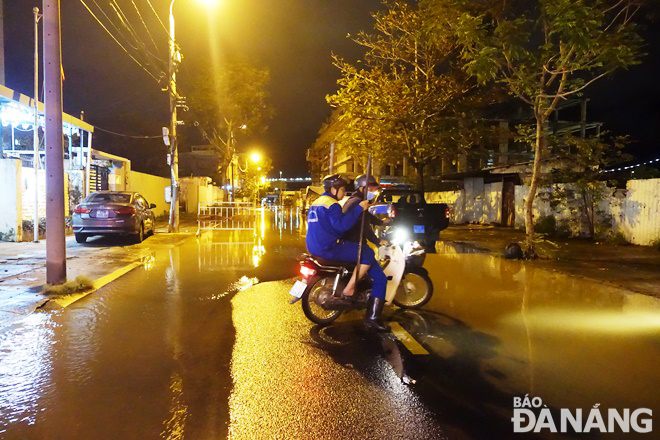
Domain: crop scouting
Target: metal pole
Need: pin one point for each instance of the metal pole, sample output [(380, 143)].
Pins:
[(364, 215), (174, 148), (55, 234), (35, 138), (331, 168)]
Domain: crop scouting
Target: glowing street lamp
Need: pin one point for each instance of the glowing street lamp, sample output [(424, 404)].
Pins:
[(255, 157)]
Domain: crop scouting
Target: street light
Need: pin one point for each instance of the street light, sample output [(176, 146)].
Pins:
[(255, 157)]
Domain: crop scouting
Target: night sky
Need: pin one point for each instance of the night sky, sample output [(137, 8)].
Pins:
[(293, 39)]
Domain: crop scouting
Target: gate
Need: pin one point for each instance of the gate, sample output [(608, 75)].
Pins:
[(232, 216)]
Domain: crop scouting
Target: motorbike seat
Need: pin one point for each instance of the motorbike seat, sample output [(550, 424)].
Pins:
[(324, 263)]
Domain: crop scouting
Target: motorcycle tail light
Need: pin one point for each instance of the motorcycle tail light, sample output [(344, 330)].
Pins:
[(307, 272), (391, 211), (125, 210), (447, 212), (80, 209)]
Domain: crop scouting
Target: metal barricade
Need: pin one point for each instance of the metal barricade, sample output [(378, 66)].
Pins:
[(232, 216)]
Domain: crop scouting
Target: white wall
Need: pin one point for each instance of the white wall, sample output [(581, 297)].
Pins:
[(152, 188), (635, 211), (11, 220)]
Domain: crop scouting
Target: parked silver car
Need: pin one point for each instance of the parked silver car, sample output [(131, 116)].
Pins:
[(113, 213)]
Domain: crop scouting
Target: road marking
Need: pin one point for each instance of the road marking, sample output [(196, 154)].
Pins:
[(406, 339), (106, 279)]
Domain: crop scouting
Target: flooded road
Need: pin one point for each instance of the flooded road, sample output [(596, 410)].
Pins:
[(201, 343)]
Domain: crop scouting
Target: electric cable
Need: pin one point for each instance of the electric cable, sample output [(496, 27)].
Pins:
[(161, 21), (126, 135), (145, 25), (123, 19), (119, 43)]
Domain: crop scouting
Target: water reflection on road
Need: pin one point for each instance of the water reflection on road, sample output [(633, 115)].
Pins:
[(162, 353), (507, 328)]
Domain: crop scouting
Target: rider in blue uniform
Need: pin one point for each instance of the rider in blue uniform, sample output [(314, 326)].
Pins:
[(326, 223)]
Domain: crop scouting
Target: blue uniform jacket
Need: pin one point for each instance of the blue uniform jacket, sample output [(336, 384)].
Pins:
[(326, 223)]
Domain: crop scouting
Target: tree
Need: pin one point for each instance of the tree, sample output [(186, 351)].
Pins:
[(252, 178), (580, 185), (542, 51), (405, 98), (227, 102)]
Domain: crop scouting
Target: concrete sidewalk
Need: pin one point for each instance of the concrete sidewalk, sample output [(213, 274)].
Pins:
[(23, 266), (635, 268)]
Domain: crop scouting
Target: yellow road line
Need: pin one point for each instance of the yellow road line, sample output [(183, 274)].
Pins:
[(106, 279), (406, 339)]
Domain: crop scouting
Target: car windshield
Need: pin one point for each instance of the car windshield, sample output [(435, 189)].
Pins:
[(401, 198), (109, 198)]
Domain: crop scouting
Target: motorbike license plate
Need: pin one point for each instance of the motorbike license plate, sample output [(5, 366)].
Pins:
[(298, 289), (102, 213), (418, 229)]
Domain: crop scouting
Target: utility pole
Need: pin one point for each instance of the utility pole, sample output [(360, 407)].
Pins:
[(55, 236), (174, 144), (35, 138)]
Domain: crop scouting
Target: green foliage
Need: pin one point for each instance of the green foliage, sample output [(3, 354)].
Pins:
[(541, 51), (80, 284), (250, 178), (224, 101), (405, 99), (546, 225)]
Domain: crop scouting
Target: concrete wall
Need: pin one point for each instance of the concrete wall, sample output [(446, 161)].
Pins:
[(633, 212), (151, 187), (27, 187), (11, 220)]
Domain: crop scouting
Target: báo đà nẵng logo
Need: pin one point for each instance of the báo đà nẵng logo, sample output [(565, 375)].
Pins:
[(531, 415)]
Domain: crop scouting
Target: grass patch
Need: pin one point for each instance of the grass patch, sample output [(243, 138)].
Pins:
[(80, 284)]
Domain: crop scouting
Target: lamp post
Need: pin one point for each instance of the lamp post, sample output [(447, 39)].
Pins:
[(174, 58)]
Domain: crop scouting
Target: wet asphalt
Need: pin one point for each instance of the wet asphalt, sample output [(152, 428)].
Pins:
[(201, 343)]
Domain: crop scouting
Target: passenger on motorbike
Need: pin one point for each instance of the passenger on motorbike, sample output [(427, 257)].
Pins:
[(367, 191), (326, 223)]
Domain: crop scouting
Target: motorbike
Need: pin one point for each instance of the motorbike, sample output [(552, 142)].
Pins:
[(322, 281)]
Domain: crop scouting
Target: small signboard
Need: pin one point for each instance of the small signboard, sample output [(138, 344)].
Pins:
[(168, 194)]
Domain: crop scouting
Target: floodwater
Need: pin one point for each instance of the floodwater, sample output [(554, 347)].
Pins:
[(201, 343)]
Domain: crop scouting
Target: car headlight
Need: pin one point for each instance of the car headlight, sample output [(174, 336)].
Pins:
[(400, 235)]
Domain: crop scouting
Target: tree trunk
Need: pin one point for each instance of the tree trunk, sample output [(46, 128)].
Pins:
[(539, 149), (420, 176)]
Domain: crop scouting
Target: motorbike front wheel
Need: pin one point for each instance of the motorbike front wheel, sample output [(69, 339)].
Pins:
[(311, 304), (415, 289)]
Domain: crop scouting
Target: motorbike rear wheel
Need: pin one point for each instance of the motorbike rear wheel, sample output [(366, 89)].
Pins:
[(415, 289), (313, 311)]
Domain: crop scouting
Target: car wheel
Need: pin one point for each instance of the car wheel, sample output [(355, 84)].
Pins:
[(140, 234), (80, 238)]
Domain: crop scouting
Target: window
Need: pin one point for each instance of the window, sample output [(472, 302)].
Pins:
[(108, 198)]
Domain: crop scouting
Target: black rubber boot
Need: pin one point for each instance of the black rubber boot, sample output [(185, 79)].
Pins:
[(372, 319)]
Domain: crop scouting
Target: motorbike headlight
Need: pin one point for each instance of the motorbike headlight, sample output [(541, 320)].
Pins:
[(400, 235)]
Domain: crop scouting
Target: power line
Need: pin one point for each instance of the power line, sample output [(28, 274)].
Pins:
[(145, 25), (159, 20), (126, 135), (117, 41), (123, 19)]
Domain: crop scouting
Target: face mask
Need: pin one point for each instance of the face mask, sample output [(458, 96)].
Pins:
[(371, 195)]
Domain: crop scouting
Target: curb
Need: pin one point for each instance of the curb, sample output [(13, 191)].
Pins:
[(65, 301)]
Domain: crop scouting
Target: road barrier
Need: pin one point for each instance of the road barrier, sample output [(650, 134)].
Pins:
[(231, 216)]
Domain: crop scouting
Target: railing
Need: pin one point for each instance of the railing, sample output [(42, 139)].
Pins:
[(233, 216)]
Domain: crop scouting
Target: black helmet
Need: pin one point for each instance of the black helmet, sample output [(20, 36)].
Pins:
[(333, 181), (361, 180)]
